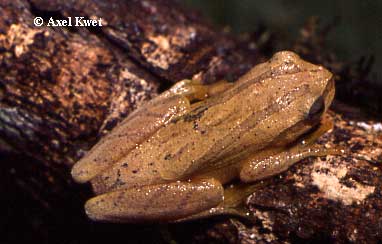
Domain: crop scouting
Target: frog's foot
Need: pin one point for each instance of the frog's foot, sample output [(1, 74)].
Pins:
[(260, 168), (156, 203), (239, 212)]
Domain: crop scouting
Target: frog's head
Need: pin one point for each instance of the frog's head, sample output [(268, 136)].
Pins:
[(314, 91)]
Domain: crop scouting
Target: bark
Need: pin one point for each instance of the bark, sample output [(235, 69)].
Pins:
[(61, 89)]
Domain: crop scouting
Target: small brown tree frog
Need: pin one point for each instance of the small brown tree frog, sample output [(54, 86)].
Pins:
[(171, 158)]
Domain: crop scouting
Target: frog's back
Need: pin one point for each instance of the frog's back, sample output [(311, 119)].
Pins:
[(220, 131)]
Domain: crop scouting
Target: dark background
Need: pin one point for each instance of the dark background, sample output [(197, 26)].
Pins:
[(358, 31)]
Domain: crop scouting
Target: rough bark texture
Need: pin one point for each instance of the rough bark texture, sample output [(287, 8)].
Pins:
[(61, 89)]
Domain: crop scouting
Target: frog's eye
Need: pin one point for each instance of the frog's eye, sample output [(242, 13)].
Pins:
[(317, 108)]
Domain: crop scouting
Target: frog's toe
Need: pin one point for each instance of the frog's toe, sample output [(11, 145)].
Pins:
[(192, 89), (90, 166), (79, 174)]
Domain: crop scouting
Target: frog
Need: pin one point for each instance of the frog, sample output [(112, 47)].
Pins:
[(174, 158)]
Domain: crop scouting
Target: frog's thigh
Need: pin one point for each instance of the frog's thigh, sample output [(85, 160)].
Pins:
[(134, 129), (156, 203), (260, 168)]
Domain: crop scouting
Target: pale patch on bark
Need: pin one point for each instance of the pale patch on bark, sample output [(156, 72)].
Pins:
[(327, 179), (166, 51), (19, 37)]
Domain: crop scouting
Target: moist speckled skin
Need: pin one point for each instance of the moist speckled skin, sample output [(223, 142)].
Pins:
[(174, 147)]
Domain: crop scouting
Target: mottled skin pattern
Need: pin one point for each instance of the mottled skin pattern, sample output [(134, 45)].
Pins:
[(169, 160)]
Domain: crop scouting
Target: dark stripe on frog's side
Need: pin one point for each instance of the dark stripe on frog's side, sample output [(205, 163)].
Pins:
[(191, 116), (143, 111), (130, 133), (198, 112), (195, 114)]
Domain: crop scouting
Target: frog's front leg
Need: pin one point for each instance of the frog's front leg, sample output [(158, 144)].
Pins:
[(260, 168), (277, 160), (156, 203)]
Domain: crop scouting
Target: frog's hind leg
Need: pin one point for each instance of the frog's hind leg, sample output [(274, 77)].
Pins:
[(141, 124), (137, 127), (233, 204), (133, 130), (156, 203)]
